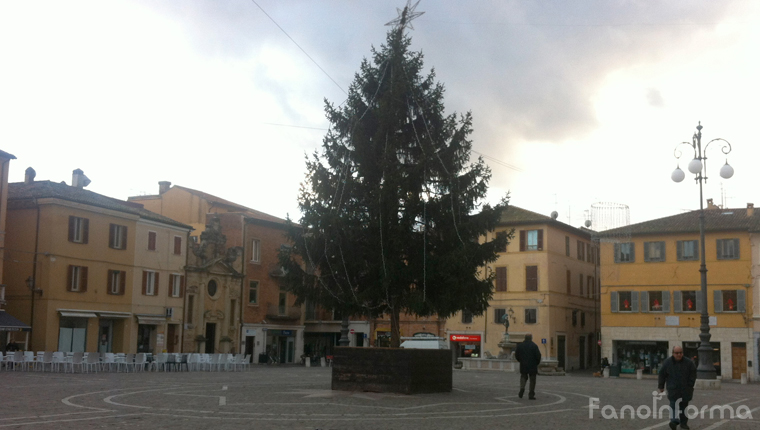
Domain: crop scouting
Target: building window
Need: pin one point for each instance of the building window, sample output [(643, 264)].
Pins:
[(567, 245), (624, 301), (730, 300), (233, 309), (686, 301), (654, 251), (466, 317), (211, 288), (581, 250), (728, 249), (569, 286), (531, 278), (580, 285), (501, 279), (583, 319), (498, 315), (77, 281), (253, 292), (79, 229), (117, 281), (255, 251), (150, 283), (575, 318), (531, 315), (653, 301), (590, 286), (625, 252), (177, 245), (588, 253), (531, 240), (151, 241), (117, 236), (687, 250), (177, 285)]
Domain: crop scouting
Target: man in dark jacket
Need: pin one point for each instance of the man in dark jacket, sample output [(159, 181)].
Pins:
[(529, 356), (678, 374)]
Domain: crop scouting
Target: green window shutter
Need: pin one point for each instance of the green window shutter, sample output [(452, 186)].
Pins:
[(677, 301), (645, 301), (666, 302), (700, 299), (736, 248), (614, 301), (741, 301), (634, 301), (679, 250), (617, 253), (633, 252), (718, 300), (647, 245)]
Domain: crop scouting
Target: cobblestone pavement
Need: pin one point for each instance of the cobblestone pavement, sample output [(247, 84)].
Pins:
[(280, 397)]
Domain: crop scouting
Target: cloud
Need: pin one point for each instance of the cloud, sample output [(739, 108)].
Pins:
[(654, 98)]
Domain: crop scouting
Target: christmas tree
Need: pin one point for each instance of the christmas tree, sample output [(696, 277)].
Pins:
[(392, 211)]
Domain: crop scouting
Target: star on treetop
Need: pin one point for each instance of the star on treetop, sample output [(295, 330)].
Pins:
[(405, 16)]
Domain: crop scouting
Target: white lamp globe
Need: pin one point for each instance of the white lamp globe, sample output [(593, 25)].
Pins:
[(695, 166), (726, 171), (677, 175)]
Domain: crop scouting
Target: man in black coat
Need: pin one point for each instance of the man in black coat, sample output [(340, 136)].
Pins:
[(679, 374), (529, 356)]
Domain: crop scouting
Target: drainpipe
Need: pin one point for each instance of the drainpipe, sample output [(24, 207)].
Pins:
[(34, 276)]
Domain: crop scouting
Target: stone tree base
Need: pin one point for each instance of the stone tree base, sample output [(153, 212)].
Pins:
[(392, 370)]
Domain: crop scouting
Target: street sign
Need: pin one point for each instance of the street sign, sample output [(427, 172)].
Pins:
[(543, 340), (600, 343), (351, 331)]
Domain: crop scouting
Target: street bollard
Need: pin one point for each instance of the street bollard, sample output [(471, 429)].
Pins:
[(744, 378), (639, 373)]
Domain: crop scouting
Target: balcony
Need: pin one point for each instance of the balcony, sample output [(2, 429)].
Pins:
[(283, 313)]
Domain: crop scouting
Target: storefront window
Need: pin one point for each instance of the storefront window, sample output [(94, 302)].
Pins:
[(691, 350), (645, 355)]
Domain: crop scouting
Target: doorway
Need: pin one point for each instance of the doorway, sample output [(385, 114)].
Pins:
[(561, 351), (210, 337), (171, 338), (738, 359), (250, 341), (145, 337), (105, 336), (582, 344)]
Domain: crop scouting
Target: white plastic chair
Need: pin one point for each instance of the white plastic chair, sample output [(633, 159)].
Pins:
[(28, 360), (58, 359), (108, 360), (159, 361), (139, 364), (77, 359), (47, 358), (93, 361)]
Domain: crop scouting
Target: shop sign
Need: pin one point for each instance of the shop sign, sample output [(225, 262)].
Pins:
[(465, 337), (286, 332), (250, 332)]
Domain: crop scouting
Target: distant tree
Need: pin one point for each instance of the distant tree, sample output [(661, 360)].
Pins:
[(392, 212)]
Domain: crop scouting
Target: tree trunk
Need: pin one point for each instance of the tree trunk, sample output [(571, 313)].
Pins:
[(395, 328)]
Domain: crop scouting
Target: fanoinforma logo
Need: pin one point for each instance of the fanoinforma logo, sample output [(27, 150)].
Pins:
[(643, 412)]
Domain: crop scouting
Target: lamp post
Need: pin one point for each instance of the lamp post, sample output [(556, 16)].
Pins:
[(30, 284), (698, 166)]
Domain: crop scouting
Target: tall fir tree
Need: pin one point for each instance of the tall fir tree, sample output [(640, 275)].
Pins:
[(392, 213)]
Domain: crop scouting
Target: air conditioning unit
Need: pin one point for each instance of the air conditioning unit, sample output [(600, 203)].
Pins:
[(169, 312)]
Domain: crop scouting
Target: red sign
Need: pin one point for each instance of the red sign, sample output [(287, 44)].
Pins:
[(600, 343), (465, 337)]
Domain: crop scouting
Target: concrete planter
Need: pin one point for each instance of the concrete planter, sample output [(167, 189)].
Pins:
[(391, 370)]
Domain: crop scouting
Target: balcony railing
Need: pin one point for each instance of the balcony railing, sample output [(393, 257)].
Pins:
[(276, 312)]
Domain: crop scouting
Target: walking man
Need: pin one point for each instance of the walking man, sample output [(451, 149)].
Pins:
[(529, 356), (678, 374)]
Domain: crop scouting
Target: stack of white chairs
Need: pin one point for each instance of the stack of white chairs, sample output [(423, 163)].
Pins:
[(28, 360), (77, 359), (109, 361), (159, 361), (47, 358), (139, 364), (58, 359), (93, 361)]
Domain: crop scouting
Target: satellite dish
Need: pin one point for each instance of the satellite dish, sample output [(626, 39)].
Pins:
[(554, 214), (587, 223)]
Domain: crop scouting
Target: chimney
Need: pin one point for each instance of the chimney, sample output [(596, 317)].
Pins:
[(750, 209), (29, 175), (163, 186), (711, 205), (78, 179)]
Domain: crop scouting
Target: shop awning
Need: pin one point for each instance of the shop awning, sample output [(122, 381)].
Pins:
[(76, 314), (9, 323), (114, 314), (150, 319)]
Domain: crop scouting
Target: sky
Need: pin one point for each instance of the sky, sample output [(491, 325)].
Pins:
[(576, 105)]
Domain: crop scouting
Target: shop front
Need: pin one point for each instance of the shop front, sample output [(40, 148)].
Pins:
[(691, 350), (632, 355), (281, 345), (465, 345)]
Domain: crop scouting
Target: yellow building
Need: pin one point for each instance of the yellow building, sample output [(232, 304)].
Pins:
[(546, 284), (107, 272), (651, 297)]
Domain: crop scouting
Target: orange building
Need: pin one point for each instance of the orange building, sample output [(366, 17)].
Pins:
[(105, 272)]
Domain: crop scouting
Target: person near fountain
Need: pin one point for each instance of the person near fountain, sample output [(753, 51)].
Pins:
[(529, 356)]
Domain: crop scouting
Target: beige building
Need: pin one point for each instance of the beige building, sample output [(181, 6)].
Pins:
[(546, 284), (106, 271)]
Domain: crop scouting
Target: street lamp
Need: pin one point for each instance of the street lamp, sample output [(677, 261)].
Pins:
[(698, 166)]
